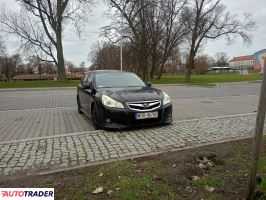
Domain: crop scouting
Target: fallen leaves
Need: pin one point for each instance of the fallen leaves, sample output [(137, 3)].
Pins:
[(98, 190), (209, 189), (109, 192), (205, 163), (195, 178)]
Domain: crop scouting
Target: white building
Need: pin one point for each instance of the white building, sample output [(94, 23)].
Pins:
[(259, 59), (242, 63)]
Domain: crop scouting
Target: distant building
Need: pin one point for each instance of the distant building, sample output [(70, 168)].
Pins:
[(242, 63), (259, 59), (255, 61)]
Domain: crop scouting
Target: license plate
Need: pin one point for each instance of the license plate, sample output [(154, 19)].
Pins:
[(147, 115)]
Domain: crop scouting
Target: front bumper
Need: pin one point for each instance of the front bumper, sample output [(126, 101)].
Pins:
[(119, 119)]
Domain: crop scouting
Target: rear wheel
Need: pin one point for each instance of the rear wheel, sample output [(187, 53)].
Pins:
[(94, 117), (79, 107)]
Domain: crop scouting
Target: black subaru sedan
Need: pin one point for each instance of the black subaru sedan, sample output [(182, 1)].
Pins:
[(117, 99)]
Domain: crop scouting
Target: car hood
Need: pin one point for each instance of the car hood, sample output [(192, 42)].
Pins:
[(132, 94)]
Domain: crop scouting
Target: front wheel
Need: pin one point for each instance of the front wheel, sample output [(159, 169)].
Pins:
[(94, 117)]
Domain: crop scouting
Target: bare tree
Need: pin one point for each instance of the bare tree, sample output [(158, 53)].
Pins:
[(37, 63), (153, 27), (221, 59), (2, 47), (173, 29), (167, 32), (201, 64), (8, 67), (49, 68), (82, 67), (82, 64), (208, 19), (105, 55), (40, 25), (135, 28), (71, 67)]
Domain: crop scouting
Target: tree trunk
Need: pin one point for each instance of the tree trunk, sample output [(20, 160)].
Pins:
[(152, 72), (153, 64), (61, 72), (188, 74), (257, 138), (189, 67), (61, 66), (138, 68), (153, 67), (161, 70), (144, 69)]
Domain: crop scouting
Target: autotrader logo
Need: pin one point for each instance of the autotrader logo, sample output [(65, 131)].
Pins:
[(27, 193)]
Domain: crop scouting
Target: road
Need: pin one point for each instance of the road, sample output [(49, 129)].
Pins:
[(31, 113)]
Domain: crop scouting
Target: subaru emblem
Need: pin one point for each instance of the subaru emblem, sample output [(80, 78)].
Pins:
[(145, 105)]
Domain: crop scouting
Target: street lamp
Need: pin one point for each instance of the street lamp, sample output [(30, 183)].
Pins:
[(121, 43)]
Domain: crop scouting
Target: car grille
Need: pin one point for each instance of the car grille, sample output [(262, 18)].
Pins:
[(144, 105)]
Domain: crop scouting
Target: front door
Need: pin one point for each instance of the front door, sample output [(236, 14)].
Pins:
[(85, 94)]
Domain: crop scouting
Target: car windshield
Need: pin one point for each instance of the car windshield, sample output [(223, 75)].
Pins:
[(115, 80)]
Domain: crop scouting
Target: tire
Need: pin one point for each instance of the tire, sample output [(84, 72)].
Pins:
[(94, 117), (79, 109)]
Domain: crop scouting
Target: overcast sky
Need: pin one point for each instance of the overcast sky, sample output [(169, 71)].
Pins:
[(76, 49)]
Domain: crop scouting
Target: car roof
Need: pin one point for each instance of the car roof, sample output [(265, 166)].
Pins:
[(107, 71)]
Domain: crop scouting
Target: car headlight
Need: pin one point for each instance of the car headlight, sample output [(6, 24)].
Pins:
[(111, 103), (166, 99)]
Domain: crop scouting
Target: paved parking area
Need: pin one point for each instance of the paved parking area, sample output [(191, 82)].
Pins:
[(73, 150), (34, 99), (17, 99), (39, 113), (32, 123), (41, 130), (42, 122)]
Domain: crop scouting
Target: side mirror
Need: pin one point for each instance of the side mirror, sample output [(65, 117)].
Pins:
[(148, 84), (86, 85)]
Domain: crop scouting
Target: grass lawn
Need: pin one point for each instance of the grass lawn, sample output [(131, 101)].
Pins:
[(204, 80), (169, 176), (38, 84), (208, 79)]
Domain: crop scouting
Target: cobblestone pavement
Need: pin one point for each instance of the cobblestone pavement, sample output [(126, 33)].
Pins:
[(91, 147), (32, 123)]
